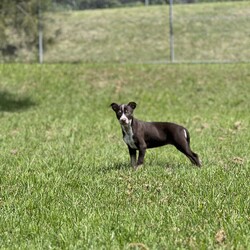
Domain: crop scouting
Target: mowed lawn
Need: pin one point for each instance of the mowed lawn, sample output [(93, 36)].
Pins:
[(202, 32), (65, 178)]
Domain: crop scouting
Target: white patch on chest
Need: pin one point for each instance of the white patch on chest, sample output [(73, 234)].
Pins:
[(128, 136)]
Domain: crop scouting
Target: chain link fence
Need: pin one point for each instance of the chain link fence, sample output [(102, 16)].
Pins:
[(181, 32)]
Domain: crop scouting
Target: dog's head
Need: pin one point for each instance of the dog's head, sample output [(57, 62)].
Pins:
[(124, 112)]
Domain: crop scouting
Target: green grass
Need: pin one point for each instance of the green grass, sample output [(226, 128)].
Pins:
[(65, 179), (113, 35), (202, 32), (212, 32)]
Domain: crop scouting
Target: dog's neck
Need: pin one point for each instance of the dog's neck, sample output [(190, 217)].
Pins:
[(127, 128), (128, 134)]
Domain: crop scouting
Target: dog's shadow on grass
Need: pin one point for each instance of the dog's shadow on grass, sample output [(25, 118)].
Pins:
[(116, 166), (12, 103)]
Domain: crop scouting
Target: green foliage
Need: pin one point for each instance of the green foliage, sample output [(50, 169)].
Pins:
[(65, 178), (18, 26), (96, 4)]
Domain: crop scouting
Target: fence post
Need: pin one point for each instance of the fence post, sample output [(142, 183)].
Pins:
[(40, 33), (171, 31)]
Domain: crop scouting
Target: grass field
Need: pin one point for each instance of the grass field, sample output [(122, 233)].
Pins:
[(202, 32), (65, 178)]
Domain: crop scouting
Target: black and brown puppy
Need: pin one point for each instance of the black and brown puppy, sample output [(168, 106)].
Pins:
[(140, 135)]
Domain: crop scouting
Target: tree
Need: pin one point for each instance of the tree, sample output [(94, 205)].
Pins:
[(18, 26)]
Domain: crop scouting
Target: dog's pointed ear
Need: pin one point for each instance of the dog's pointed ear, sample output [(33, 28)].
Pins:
[(114, 106), (132, 105)]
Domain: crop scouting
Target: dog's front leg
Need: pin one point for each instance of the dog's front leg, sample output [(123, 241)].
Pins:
[(142, 151), (132, 153)]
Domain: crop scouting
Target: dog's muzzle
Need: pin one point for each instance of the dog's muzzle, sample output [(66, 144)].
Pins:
[(124, 121)]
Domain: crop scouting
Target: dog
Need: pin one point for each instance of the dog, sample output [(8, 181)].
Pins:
[(140, 135)]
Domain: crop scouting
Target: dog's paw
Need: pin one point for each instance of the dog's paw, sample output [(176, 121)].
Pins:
[(137, 167)]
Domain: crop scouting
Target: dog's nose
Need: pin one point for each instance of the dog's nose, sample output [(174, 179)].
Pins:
[(123, 120)]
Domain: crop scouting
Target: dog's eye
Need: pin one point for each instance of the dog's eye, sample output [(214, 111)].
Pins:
[(119, 112), (126, 111)]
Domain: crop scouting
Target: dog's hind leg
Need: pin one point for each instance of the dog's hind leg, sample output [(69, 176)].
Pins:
[(193, 157), (182, 143)]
